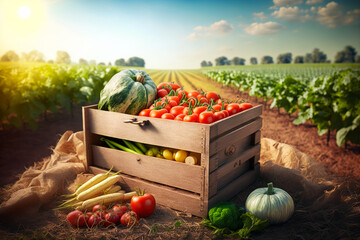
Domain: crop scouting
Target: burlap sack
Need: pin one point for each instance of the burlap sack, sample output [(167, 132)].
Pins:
[(282, 164)]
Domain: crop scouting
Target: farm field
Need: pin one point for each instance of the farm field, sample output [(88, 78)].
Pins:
[(33, 145)]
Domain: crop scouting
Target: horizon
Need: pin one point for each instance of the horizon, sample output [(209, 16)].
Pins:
[(178, 34)]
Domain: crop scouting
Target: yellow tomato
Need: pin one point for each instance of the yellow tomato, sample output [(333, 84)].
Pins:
[(180, 156), (168, 154)]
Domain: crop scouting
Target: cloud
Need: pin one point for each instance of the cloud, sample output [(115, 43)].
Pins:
[(260, 15), (292, 14), (225, 48), (309, 2), (261, 29), (333, 15), (283, 3), (217, 28)]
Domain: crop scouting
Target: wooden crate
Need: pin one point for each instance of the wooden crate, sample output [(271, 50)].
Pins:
[(229, 148)]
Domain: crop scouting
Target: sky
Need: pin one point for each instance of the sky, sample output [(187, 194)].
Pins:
[(178, 34)]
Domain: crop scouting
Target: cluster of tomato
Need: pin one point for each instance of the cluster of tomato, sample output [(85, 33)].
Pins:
[(174, 103), (141, 206)]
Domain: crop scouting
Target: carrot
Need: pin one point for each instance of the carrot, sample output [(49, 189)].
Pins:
[(98, 188), (105, 199)]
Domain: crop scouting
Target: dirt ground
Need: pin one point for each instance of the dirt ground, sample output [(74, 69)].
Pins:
[(20, 148)]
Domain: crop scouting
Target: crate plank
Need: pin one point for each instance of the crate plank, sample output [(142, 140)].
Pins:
[(159, 131), (232, 169), (235, 187), (172, 173), (166, 196), (227, 124)]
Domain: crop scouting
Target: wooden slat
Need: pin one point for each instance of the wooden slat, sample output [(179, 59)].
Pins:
[(87, 136), (235, 187), (232, 169), (172, 173), (167, 133), (246, 130), (225, 125), (166, 196)]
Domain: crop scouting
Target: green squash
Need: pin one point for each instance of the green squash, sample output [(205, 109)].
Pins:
[(270, 203), (128, 91)]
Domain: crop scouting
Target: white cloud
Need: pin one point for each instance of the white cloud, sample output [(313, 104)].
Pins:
[(225, 48), (222, 27), (313, 1), (260, 15), (333, 15), (293, 14), (283, 3), (260, 29)]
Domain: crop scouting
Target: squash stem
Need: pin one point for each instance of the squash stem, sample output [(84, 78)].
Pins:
[(270, 190)]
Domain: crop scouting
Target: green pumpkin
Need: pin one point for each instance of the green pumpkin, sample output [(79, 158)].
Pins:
[(270, 203), (128, 91)]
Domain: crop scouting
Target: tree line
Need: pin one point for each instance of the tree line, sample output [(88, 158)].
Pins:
[(64, 57), (347, 55)]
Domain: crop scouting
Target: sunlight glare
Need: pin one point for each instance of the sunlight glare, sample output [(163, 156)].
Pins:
[(24, 12)]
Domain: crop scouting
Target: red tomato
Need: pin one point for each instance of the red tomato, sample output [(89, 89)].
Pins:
[(120, 209), (145, 112), (233, 108), (129, 219), (181, 94), (76, 218), (177, 110), (157, 113), (167, 116), (161, 93), (191, 118), (94, 220), (206, 117), (173, 98), (111, 218), (226, 112), (199, 109), (198, 97), (245, 106), (212, 95), (143, 205), (180, 117), (99, 207), (193, 94), (219, 115), (217, 108), (174, 86), (164, 85), (192, 101)]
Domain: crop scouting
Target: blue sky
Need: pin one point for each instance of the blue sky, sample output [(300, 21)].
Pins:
[(178, 34)]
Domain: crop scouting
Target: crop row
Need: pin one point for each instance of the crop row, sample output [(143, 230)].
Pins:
[(331, 102)]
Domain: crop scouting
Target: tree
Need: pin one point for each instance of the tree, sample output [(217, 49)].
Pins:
[(308, 58), (35, 56), (62, 57), (284, 58), (221, 61), (357, 59), (253, 60), (135, 62), (318, 56), (299, 59), (83, 61), (92, 62), (267, 60), (10, 56), (203, 63), (346, 56), (101, 63), (209, 64), (237, 61), (120, 62)]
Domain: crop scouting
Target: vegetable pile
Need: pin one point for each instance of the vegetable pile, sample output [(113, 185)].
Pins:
[(174, 103), (100, 202), (178, 155)]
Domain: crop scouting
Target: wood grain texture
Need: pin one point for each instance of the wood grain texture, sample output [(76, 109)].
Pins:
[(171, 173)]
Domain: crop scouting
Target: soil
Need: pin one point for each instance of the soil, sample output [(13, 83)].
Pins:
[(20, 148)]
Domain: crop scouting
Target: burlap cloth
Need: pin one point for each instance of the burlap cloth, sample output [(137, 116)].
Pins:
[(41, 184)]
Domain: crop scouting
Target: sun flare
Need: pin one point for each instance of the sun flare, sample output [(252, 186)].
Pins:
[(24, 12)]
